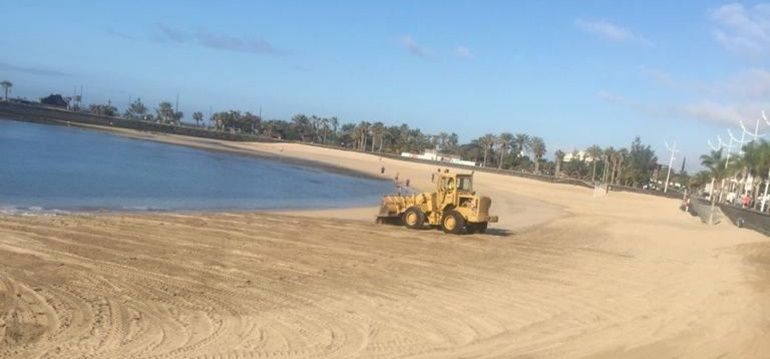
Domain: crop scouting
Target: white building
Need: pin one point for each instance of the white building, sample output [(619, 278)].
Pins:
[(433, 155), (579, 156)]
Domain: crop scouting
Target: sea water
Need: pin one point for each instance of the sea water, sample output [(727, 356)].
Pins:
[(49, 168)]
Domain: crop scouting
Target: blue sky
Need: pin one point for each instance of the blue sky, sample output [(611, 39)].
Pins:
[(573, 72)]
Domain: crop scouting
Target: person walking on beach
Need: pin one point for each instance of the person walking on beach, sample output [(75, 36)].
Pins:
[(407, 182), (382, 170)]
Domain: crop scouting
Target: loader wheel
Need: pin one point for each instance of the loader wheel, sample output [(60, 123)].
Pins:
[(452, 222), (414, 218), (472, 228), (482, 227)]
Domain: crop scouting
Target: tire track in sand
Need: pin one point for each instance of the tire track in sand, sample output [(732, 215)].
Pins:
[(259, 285)]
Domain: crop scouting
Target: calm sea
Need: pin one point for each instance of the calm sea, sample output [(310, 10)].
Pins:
[(50, 168)]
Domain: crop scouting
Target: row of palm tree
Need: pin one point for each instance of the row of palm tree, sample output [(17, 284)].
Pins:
[(723, 173), (632, 166), (364, 136), (507, 147), (505, 150), (377, 137), (518, 146)]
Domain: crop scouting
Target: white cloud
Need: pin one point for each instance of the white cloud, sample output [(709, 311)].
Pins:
[(753, 83), (741, 29), (413, 47), (728, 114), (706, 111), (463, 52), (670, 82), (215, 40), (611, 97), (646, 109), (610, 31)]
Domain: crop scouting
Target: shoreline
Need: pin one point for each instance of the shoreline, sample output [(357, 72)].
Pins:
[(204, 144), (351, 163)]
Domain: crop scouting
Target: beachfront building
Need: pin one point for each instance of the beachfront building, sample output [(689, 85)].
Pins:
[(433, 155), (581, 156)]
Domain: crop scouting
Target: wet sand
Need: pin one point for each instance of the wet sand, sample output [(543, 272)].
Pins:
[(564, 274)]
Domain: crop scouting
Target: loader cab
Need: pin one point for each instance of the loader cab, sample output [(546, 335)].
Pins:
[(452, 186), (455, 183), (465, 183)]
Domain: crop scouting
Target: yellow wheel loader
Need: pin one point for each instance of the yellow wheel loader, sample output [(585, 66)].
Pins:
[(453, 206)]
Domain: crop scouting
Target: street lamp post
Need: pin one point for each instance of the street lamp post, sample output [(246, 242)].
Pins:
[(740, 143), (764, 197), (754, 137), (673, 151), (718, 147)]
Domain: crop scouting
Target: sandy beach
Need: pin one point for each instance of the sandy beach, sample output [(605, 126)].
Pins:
[(564, 274)]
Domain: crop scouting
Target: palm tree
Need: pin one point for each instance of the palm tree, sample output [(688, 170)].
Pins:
[(198, 117), (268, 128), (366, 129), (521, 143), (700, 179), (387, 135), (751, 161), (440, 141), (136, 109), (315, 126), (717, 165), (334, 124), (617, 159), (362, 134), (504, 141), (756, 161), (764, 150), (323, 125), (594, 152), (487, 141), (538, 151), (303, 126), (6, 87), (559, 156), (165, 112), (378, 131), (607, 156)]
